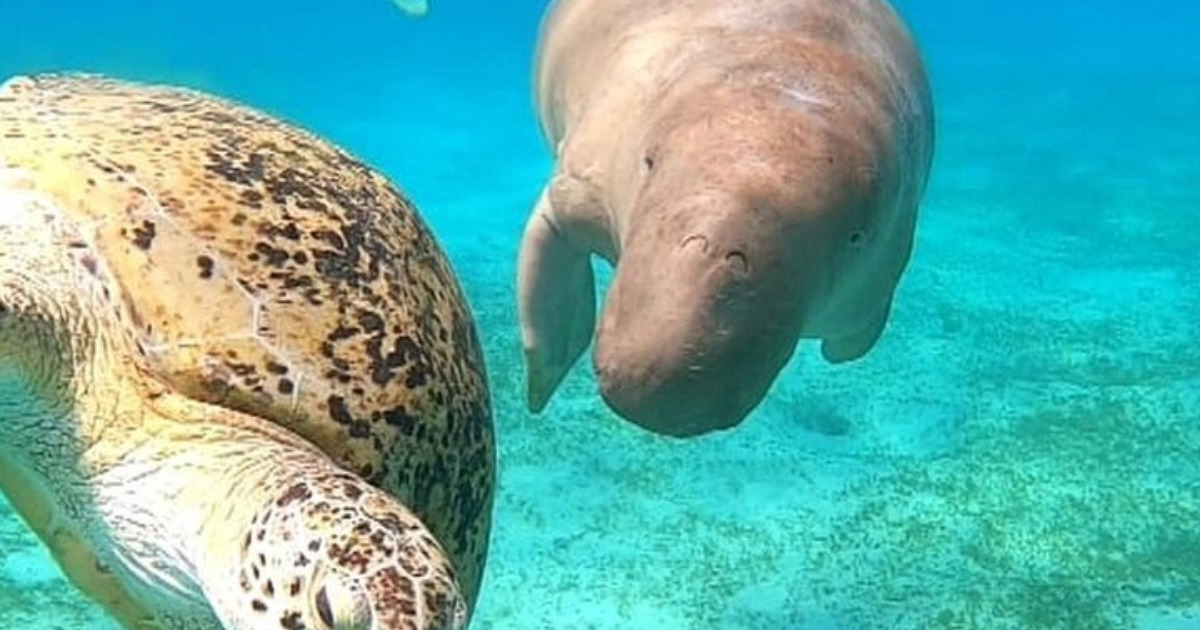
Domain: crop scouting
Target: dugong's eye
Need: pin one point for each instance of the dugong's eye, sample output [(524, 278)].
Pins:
[(649, 158), (857, 237)]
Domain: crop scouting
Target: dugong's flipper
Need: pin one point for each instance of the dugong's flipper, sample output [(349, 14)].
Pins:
[(556, 295), (414, 8), (856, 345)]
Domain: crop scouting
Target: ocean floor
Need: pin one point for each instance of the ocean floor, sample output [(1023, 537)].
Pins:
[(1021, 450)]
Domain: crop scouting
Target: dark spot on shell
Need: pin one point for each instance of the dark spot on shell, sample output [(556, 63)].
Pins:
[(252, 198), (401, 419), (353, 492), (206, 265), (289, 231), (342, 332), (274, 257), (254, 166), (370, 322), (291, 621), (338, 410), (143, 235), (159, 106), (384, 366), (298, 492), (89, 262)]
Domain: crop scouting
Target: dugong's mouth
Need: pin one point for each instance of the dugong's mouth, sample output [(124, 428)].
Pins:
[(681, 406)]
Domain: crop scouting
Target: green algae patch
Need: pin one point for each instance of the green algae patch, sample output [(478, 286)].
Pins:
[(1076, 516)]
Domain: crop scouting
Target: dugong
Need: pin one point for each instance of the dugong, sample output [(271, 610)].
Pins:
[(751, 168)]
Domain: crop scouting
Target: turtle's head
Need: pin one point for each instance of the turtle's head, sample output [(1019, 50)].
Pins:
[(331, 552), (47, 275)]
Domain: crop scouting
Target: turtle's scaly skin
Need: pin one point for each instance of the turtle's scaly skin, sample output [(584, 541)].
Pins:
[(262, 270)]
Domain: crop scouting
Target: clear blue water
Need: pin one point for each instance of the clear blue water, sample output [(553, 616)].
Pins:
[(1022, 450)]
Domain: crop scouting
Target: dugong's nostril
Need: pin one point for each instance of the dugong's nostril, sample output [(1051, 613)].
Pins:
[(737, 261), (695, 240)]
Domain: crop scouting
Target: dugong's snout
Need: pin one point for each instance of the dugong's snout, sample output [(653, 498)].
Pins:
[(683, 403), (690, 343)]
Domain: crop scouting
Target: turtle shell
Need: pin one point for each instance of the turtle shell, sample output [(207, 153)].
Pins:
[(268, 271)]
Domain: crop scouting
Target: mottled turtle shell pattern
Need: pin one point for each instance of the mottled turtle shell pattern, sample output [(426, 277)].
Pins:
[(265, 270)]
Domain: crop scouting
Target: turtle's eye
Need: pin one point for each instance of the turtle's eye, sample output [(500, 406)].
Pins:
[(324, 611), (341, 607)]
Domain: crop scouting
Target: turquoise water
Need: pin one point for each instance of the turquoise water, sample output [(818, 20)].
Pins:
[(1022, 449)]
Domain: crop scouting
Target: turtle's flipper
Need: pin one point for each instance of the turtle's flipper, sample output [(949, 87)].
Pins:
[(69, 549), (96, 580)]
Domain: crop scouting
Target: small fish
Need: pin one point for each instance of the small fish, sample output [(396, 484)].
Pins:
[(414, 8)]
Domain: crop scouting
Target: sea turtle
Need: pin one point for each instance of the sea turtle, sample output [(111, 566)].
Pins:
[(244, 389)]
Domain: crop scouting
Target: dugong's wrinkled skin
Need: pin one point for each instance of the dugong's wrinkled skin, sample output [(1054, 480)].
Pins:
[(752, 169)]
